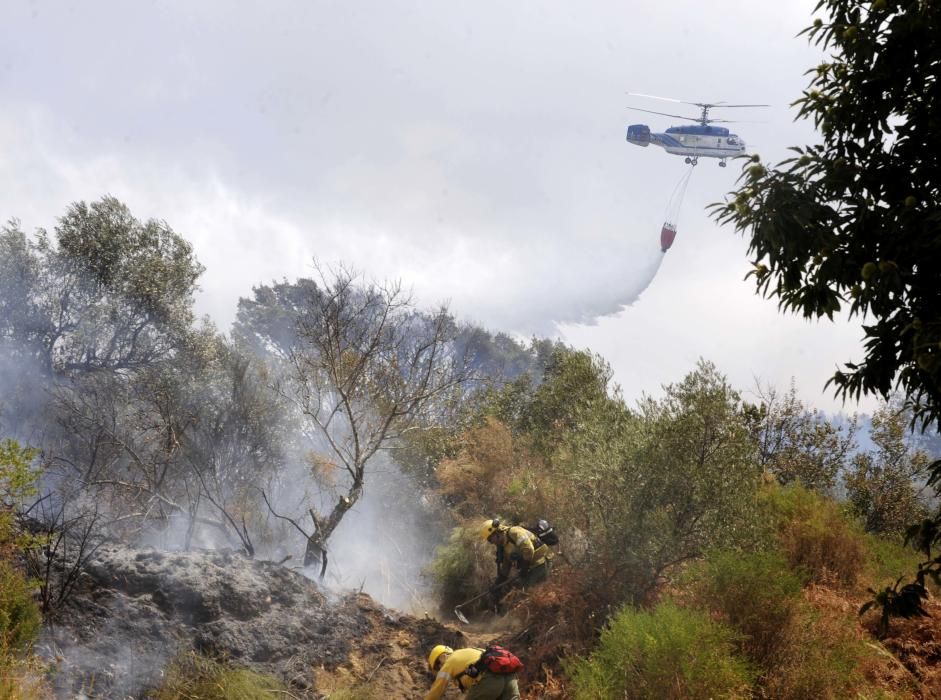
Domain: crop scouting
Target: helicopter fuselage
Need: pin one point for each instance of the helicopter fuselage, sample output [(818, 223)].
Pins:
[(692, 141)]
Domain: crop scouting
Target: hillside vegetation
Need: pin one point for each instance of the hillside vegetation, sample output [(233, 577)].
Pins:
[(746, 531), (705, 552)]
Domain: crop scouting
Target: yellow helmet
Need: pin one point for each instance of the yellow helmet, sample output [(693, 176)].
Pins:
[(489, 527), (435, 653)]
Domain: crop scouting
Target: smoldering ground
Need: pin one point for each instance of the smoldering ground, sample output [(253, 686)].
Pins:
[(381, 547)]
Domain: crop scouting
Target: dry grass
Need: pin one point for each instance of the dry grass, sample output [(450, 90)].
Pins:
[(23, 678)]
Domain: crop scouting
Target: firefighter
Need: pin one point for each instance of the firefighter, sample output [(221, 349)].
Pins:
[(517, 546), (453, 665)]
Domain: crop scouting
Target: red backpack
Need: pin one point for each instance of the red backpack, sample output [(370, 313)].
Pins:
[(496, 659)]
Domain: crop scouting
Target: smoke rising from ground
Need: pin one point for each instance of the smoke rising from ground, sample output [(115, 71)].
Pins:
[(386, 541), (381, 546)]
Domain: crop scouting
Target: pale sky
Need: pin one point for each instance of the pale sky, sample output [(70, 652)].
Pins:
[(474, 151)]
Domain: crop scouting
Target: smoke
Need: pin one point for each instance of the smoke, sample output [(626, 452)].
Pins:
[(518, 268), (386, 541), (121, 667), (381, 546), (24, 395)]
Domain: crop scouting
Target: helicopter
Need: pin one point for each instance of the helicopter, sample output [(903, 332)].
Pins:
[(694, 141)]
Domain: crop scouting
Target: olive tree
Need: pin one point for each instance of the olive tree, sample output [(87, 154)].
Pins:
[(366, 369), (882, 484), (649, 488), (797, 444), (105, 292), (153, 418)]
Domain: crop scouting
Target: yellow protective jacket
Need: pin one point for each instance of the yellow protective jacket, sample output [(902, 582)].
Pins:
[(520, 548), (456, 663)]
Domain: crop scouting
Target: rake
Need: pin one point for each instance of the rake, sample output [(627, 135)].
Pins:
[(457, 610)]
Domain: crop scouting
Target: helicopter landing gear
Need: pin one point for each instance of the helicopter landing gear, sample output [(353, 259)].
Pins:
[(721, 163)]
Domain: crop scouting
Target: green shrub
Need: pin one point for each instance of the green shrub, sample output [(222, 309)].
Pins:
[(191, 675), (17, 482), (756, 594), (817, 538), (19, 614), (800, 651), (455, 567), (889, 559), (666, 653)]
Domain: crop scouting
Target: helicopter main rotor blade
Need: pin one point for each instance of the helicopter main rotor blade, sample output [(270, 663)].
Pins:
[(664, 114), (655, 97), (672, 99), (685, 102)]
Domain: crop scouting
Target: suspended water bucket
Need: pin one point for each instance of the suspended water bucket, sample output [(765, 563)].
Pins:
[(672, 214), (667, 234)]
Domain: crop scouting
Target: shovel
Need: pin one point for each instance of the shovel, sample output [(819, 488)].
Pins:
[(457, 610)]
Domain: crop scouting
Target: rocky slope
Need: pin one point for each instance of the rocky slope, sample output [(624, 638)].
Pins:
[(134, 609)]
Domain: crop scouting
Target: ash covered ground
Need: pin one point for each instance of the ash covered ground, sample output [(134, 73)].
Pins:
[(135, 609)]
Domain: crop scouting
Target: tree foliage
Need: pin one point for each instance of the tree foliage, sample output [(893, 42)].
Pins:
[(854, 221), (640, 491), (882, 485), (694, 473), (796, 444), (367, 368), (107, 291), (145, 418)]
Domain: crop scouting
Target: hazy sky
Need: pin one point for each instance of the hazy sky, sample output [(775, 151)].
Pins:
[(473, 150)]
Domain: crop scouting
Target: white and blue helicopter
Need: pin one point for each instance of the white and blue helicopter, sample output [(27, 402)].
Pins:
[(694, 141)]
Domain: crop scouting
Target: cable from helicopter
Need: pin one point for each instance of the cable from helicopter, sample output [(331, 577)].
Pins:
[(671, 216)]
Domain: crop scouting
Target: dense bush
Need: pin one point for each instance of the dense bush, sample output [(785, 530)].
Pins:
[(800, 652), (664, 654), (457, 569), (816, 537), (19, 614), (822, 659), (494, 471), (755, 594)]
